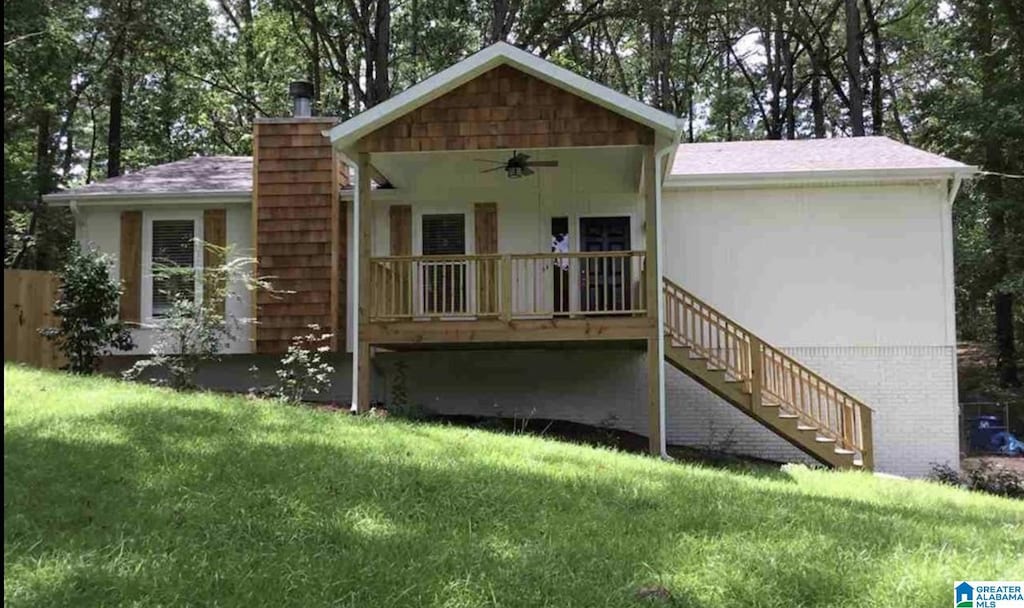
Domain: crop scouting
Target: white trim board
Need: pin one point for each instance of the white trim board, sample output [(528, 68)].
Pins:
[(500, 53), (146, 288), (60, 199), (790, 178)]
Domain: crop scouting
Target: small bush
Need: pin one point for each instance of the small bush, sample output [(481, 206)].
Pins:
[(303, 372), (87, 306), (982, 476), (194, 332)]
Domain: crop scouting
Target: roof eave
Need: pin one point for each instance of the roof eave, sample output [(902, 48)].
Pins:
[(789, 177), (350, 131), (59, 199)]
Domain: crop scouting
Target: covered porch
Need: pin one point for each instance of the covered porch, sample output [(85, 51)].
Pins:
[(456, 239), (455, 242)]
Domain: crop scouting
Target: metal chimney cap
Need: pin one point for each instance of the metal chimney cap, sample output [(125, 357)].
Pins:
[(300, 88)]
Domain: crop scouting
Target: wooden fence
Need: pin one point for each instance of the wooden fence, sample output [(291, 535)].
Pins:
[(28, 300)]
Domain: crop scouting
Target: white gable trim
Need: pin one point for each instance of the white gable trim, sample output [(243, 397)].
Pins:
[(476, 64)]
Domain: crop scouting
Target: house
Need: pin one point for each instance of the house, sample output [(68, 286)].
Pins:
[(509, 238)]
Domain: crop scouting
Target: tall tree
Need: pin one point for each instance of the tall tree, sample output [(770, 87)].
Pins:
[(985, 43), (853, 51)]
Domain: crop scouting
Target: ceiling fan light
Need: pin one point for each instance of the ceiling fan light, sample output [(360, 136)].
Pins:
[(514, 171)]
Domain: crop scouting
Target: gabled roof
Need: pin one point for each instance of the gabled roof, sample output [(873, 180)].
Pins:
[(500, 53), (211, 176), (851, 157)]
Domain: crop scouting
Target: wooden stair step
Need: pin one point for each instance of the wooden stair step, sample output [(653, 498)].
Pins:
[(704, 365)]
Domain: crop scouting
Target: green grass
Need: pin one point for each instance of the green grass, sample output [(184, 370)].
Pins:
[(118, 494)]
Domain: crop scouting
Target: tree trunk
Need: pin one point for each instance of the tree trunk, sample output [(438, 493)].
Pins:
[(315, 73), (817, 103), (382, 52), (248, 36), (116, 99), (853, 44), (789, 69), (92, 145), (659, 59), (875, 68), (499, 20), (67, 133), (772, 37), (689, 115), (44, 184)]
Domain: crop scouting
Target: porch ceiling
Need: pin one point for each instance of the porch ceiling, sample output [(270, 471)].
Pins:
[(608, 169)]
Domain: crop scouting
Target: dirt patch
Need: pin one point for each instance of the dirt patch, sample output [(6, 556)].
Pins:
[(1013, 463)]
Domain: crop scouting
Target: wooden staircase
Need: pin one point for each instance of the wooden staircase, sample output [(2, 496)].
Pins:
[(766, 384)]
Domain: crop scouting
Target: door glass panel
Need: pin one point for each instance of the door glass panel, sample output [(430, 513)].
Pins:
[(605, 281)]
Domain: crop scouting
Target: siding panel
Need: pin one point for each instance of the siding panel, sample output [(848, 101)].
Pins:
[(506, 108), (296, 206)]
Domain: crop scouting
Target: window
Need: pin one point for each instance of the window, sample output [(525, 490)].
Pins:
[(172, 262), (444, 234), (444, 281)]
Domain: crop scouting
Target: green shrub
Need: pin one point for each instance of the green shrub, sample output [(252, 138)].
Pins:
[(87, 306), (194, 331), (303, 373)]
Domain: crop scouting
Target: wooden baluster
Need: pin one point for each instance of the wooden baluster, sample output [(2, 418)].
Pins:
[(407, 289), (756, 374), (586, 279), (506, 287), (848, 430)]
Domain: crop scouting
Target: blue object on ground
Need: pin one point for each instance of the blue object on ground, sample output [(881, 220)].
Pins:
[(1008, 444), (983, 432)]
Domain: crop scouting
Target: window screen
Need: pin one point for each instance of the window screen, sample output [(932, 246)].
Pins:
[(444, 234), (173, 255)]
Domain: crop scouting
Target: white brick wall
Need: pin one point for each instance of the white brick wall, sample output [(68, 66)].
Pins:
[(606, 387), (911, 389)]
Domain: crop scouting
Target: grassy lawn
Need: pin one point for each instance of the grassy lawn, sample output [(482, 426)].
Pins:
[(118, 494)]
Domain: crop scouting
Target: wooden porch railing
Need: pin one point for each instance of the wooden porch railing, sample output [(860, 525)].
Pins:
[(507, 286), (769, 375)]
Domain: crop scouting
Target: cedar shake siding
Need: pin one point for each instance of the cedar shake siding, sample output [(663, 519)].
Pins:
[(299, 229), (506, 108)]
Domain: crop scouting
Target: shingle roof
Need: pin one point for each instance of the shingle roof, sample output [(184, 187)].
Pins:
[(233, 174), (213, 174), (861, 154)]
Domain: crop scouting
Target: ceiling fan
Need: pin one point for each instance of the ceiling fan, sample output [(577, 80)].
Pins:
[(518, 166)]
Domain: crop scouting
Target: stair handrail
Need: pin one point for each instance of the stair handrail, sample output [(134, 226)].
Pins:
[(853, 430)]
